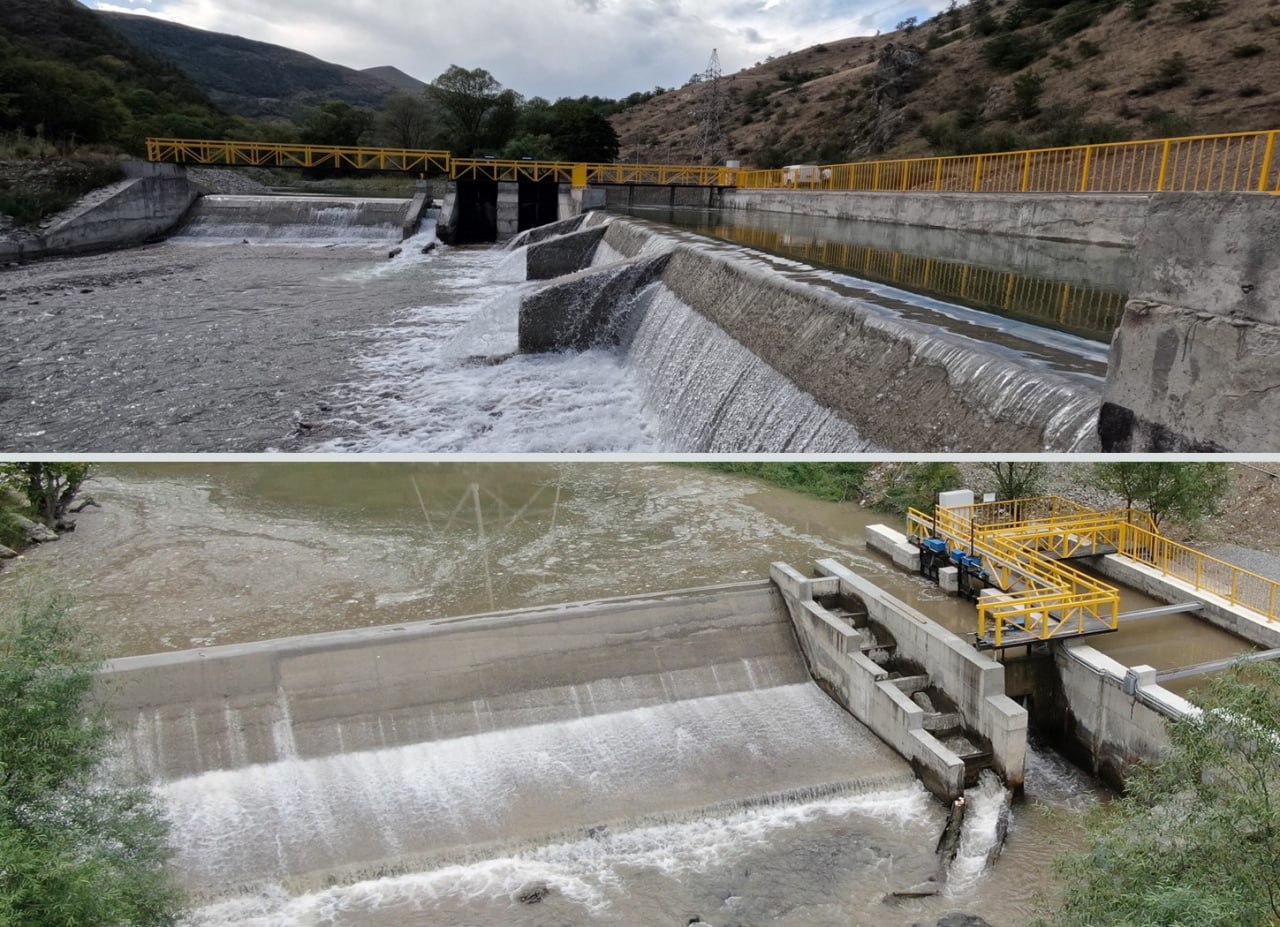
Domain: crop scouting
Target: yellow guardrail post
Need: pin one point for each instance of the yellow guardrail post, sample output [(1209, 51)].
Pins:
[(1265, 171), (1084, 174), (1164, 165), (579, 176), (1026, 172), (977, 174)]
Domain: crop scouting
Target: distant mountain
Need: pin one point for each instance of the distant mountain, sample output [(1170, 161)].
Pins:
[(396, 78), (256, 79)]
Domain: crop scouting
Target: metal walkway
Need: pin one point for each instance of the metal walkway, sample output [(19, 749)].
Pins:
[(1033, 595)]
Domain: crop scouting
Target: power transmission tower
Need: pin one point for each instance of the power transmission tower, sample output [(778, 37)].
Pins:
[(711, 139)]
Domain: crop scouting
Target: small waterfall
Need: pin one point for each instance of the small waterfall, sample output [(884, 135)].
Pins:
[(289, 219), (712, 394), (354, 813), (982, 836)]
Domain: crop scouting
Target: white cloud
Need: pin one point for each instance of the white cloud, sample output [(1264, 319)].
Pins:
[(547, 48)]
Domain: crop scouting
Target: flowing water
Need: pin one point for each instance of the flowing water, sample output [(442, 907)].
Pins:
[(764, 806), (282, 324)]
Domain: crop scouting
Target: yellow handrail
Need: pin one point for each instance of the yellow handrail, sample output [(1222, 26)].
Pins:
[(1227, 162)]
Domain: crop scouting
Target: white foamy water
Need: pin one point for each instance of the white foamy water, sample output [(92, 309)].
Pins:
[(603, 876), (292, 220), (447, 378), (986, 813), (352, 812)]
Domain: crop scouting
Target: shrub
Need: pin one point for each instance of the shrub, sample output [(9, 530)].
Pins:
[(1087, 49), (1094, 84), (1169, 73), (1138, 9), (1012, 52), (1074, 17), (1252, 90), (1198, 10), (1026, 95), (1247, 51)]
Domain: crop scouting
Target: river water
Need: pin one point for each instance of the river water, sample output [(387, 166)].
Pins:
[(191, 554), (265, 326)]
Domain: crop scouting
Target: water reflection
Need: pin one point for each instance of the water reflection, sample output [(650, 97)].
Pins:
[(1069, 288)]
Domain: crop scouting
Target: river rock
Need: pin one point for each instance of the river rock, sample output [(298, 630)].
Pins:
[(534, 894), (7, 553), (962, 920), (34, 532)]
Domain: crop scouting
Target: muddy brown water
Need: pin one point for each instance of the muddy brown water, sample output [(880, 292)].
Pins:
[(192, 554)]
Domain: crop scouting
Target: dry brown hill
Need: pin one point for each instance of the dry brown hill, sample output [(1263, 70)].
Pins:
[(992, 75)]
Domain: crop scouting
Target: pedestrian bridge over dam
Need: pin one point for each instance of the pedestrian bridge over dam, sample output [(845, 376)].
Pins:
[(378, 751)]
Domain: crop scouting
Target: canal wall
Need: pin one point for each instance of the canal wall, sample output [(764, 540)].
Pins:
[(840, 654), (1195, 364), (898, 383), (1084, 218), (1108, 716), (310, 696), (149, 202)]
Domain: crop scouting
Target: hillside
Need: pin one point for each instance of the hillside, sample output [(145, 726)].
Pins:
[(396, 78), (67, 74), (991, 75), (257, 79)]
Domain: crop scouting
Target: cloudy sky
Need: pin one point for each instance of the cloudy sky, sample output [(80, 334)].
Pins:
[(547, 48)]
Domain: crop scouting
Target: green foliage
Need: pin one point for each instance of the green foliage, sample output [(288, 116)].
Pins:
[(838, 482), (1074, 17), (58, 184), (1013, 51), (1198, 10), (50, 488), (465, 98), (916, 485), (336, 123), (1169, 73), (1196, 839), (576, 130), (1014, 480), (1185, 491), (70, 78), (406, 121), (78, 848), (1087, 49), (1026, 95)]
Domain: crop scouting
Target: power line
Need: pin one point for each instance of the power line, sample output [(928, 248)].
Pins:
[(711, 137)]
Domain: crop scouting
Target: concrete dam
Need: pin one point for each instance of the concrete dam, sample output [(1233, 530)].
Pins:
[(642, 758)]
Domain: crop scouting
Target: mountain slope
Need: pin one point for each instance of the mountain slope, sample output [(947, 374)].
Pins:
[(396, 78), (991, 75), (252, 78)]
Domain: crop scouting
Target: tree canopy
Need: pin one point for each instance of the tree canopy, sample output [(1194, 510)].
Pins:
[(78, 847), (1187, 491), (1195, 841)]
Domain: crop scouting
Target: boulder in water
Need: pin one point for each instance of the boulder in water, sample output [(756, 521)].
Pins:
[(534, 893), (962, 920)]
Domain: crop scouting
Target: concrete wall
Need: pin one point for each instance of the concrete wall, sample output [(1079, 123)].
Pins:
[(903, 385), (624, 196), (1115, 715), (1086, 218), (225, 707), (149, 202), (974, 682), (1195, 365)]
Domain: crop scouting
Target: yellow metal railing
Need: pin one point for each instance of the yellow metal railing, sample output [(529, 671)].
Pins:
[(273, 154), (1020, 541), (1233, 162), (1085, 310)]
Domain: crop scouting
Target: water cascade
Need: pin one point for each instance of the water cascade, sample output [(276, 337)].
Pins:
[(293, 219)]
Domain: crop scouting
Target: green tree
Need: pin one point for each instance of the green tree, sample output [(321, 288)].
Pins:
[(916, 485), (1186, 491), (406, 121), (1196, 839), (580, 133), (78, 847), (50, 488), (465, 98), (1016, 480), (336, 123), (1026, 95)]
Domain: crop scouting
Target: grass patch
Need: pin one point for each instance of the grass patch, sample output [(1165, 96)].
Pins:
[(836, 482), (32, 190)]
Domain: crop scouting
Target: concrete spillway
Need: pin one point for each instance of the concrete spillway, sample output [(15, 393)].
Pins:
[(400, 749), (746, 353), (294, 219)]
